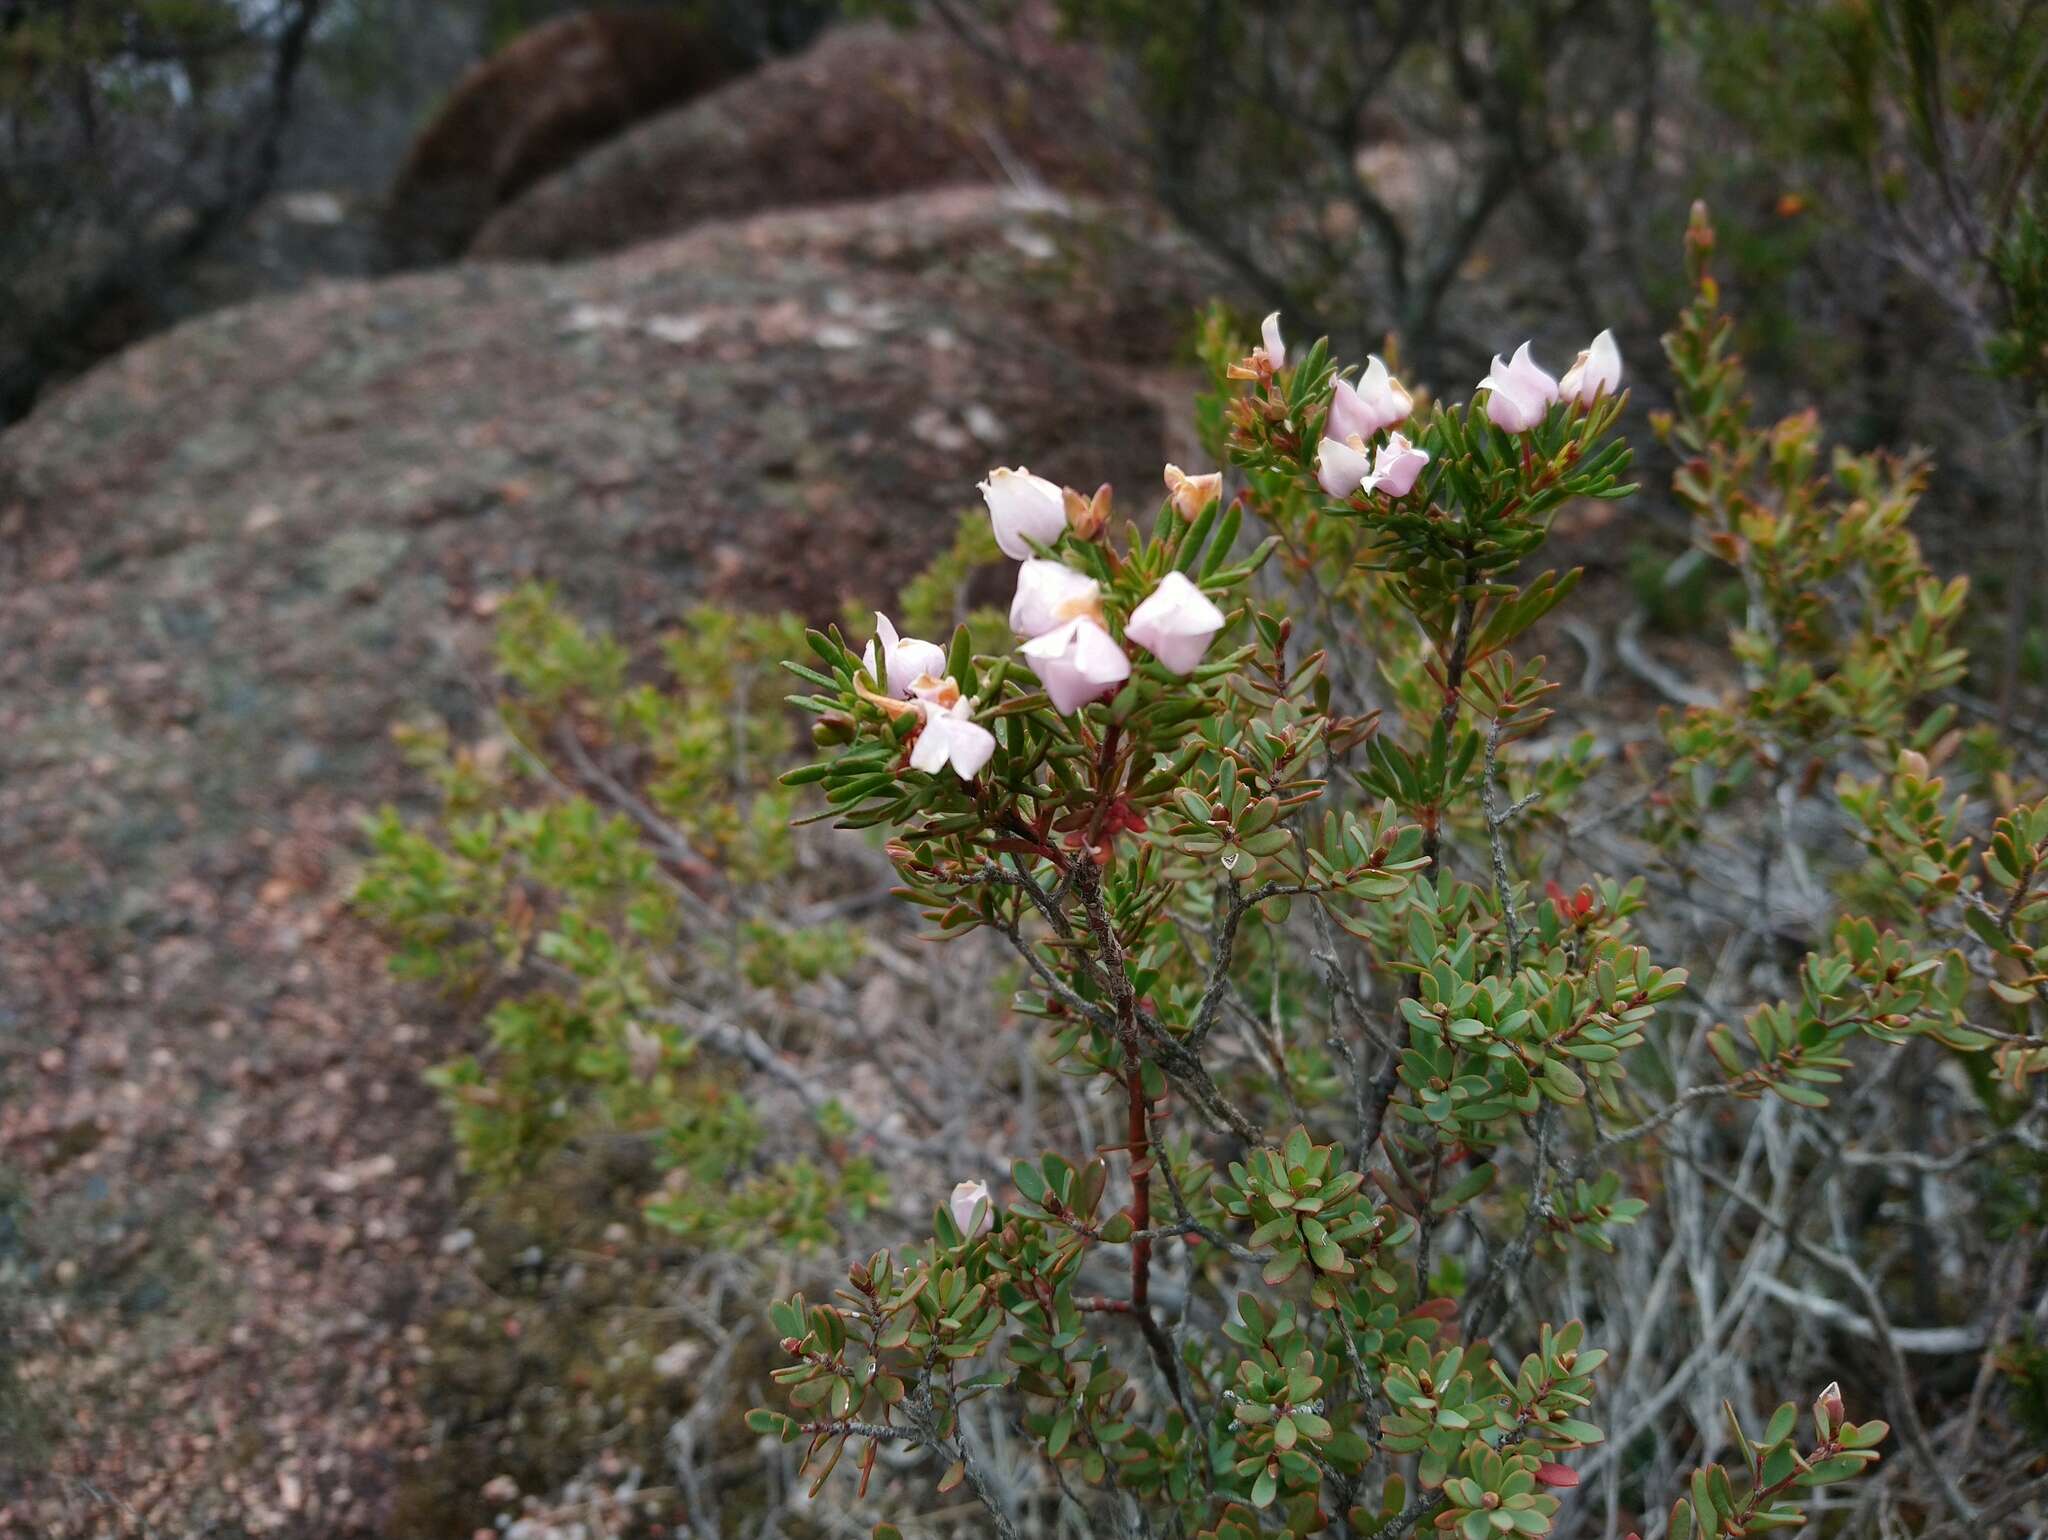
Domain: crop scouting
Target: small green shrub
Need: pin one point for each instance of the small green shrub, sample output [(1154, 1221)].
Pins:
[(602, 875)]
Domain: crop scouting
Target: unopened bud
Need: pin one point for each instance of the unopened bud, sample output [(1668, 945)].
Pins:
[(1699, 243), (1831, 1403), (831, 730), (1087, 517), (1699, 229), (1191, 494)]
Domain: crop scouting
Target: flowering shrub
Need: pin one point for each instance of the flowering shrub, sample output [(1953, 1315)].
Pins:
[(1263, 801)]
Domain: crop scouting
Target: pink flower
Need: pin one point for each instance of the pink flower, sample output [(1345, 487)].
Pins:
[(1049, 595), (968, 1200), (1023, 508), (904, 659), (1596, 373), (1377, 401), (1175, 623), (1342, 466), (950, 736), (1273, 347), (1396, 466), (1518, 392), (1076, 663)]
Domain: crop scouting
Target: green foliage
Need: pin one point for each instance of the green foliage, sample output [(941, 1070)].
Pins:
[(1152, 858), (1306, 878), (1776, 1472), (589, 872), (2019, 350), (936, 599)]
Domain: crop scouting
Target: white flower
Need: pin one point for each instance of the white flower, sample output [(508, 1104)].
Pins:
[(967, 1197), (1377, 401), (1518, 392), (1175, 623), (904, 659), (1023, 507), (1049, 595), (1191, 494), (1396, 466), (1596, 373), (1341, 467), (1275, 349), (1076, 663), (950, 735)]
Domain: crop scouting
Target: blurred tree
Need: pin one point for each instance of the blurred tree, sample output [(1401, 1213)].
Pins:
[(1920, 127), (1443, 169), (138, 136), (1349, 159), (135, 132)]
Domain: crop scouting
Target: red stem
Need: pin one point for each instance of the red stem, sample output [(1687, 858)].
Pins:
[(1141, 1181)]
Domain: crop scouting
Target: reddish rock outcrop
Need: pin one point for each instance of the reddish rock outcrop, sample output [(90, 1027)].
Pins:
[(537, 104), (866, 112)]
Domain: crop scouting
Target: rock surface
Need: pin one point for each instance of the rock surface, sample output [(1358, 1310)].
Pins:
[(533, 107), (233, 557), (866, 112)]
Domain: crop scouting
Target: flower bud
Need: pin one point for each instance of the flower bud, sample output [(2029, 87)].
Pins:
[(1274, 349), (967, 1199), (1596, 373), (1023, 508), (902, 660), (1830, 1402), (1087, 517), (1699, 229), (1191, 494)]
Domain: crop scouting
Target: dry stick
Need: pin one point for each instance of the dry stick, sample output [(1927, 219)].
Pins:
[(1496, 821), (1224, 945), (922, 1417), (1496, 1291), (693, 865), (2001, 1328), (1137, 1126), (1088, 884), (1082, 878), (2004, 1508)]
